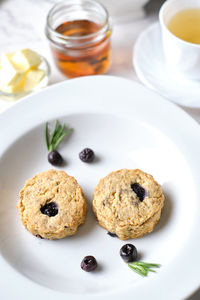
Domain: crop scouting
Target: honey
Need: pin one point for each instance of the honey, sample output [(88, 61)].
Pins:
[(79, 60), (80, 46)]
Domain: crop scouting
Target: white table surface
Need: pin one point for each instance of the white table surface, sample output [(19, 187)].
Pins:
[(22, 25)]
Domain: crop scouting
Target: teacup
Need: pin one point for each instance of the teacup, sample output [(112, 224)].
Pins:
[(182, 57)]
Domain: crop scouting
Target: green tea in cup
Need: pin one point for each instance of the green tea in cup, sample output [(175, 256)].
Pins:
[(186, 25)]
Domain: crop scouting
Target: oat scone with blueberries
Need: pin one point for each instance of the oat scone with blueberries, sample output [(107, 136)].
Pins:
[(128, 203), (52, 205)]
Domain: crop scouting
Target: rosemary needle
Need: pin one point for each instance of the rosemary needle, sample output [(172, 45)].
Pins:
[(142, 268), (58, 133), (53, 139)]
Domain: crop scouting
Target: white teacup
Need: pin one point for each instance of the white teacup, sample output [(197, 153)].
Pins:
[(183, 58)]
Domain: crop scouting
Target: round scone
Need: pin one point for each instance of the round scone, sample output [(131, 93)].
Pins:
[(128, 203), (52, 205)]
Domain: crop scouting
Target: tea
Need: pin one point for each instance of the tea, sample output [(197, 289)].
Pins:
[(186, 25)]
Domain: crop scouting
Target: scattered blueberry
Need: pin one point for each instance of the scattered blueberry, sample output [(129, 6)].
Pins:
[(86, 155), (50, 209), (139, 190), (89, 263), (128, 253), (55, 158), (111, 234)]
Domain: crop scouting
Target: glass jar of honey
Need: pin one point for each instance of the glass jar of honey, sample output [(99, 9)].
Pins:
[(79, 33)]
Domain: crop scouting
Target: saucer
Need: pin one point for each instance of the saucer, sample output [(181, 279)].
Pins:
[(151, 68)]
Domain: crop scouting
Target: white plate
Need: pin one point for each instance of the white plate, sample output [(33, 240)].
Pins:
[(127, 126), (151, 68)]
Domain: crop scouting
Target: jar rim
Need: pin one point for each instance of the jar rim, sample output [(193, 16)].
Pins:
[(50, 31)]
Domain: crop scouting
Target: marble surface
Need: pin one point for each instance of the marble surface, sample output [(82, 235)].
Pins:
[(22, 25)]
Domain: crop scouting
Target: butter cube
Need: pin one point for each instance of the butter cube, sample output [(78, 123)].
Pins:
[(12, 88), (9, 75), (26, 59), (32, 79), (19, 71)]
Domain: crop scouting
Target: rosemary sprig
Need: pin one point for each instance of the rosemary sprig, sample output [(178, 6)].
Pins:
[(58, 133), (142, 268)]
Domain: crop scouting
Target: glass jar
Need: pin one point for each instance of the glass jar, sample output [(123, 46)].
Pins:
[(79, 33)]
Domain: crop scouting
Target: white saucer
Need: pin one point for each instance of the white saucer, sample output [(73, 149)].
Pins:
[(150, 66)]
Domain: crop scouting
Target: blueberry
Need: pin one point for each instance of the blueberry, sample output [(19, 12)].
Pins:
[(139, 190), (55, 158), (89, 263), (128, 253), (50, 209), (86, 155), (112, 234)]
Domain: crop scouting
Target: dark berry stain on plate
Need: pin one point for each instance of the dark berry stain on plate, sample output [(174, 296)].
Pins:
[(111, 234)]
